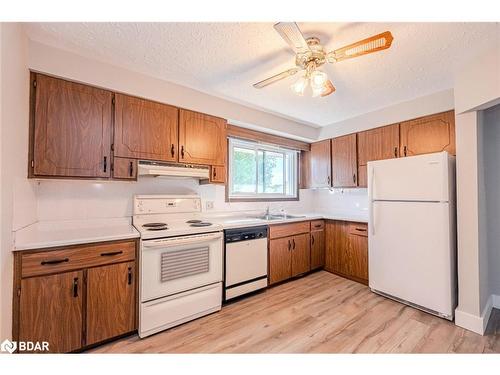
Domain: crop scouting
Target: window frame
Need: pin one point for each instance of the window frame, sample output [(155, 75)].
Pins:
[(261, 197)]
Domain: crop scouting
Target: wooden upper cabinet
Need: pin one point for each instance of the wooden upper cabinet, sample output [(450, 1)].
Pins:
[(145, 129), (50, 309), (428, 134), (202, 138), (344, 161), (376, 144), (110, 301), (70, 129), (320, 167)]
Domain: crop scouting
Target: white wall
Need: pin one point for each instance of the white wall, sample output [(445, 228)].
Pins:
[(477, 86), (489, 224), (418, 107), (18, 202), (74, 200), (68, 65)]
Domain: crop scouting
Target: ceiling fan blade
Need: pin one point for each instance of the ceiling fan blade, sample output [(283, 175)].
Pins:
[(277, 77), (372, 44), (292, 35), (329, 88)]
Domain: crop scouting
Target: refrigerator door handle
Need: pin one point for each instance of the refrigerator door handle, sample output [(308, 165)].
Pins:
[(371, 222)]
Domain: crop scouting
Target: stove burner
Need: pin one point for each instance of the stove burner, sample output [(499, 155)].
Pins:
[(154, 225), (200, 224), (194, 221)]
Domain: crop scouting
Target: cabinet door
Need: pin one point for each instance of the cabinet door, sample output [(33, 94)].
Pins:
[(301, 254), (344, 163), (71, 129), (218, 174), (145, 129), (202, 138), (428, 134), (336, 247), (376, 144), (305, 170), (51, 310), (320, 158), (317, 249), (110, 301), (280, 260), (358, 257), (125, 169)]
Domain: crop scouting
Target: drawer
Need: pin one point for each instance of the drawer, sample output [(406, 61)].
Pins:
[(285, 230), (360, 229), (61, 260), (317, 225)]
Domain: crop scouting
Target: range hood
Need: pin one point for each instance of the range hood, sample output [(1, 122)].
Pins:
[(158, 169)]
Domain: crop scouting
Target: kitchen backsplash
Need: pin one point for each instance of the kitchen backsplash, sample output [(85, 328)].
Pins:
[(73, 200)]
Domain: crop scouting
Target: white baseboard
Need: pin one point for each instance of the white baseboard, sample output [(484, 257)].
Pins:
[(473, 322), (496, 301)]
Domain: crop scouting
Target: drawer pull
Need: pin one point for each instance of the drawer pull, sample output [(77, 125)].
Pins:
[(317, 226), (75, 287), (111, 253), (361, 230), (55, 261), (130, 276)]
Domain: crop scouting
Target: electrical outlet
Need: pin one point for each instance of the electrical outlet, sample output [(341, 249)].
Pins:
[(209, 205)]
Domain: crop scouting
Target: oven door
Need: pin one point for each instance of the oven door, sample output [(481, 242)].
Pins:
[(173, 265)]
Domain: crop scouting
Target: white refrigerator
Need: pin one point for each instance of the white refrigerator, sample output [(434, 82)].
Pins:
[(412, 232)]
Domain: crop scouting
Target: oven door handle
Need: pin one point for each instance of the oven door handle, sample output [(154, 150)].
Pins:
[(170, 242)]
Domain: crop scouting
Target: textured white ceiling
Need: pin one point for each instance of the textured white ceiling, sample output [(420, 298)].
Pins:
[(225, 59)]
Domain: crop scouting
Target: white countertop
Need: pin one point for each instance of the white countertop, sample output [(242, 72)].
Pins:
[(63, 233), (235, 220)]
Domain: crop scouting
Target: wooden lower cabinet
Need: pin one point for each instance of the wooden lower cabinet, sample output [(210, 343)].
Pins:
[(73, 308), (289, 255), (110, 301), (347, 249), (50, 309), (317, 249), (301, 254), (280, 260)]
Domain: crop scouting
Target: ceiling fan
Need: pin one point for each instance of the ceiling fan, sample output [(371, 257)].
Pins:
[(310, 55)]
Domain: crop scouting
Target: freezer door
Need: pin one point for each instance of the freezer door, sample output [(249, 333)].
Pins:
[(415, 178), (412, 254)]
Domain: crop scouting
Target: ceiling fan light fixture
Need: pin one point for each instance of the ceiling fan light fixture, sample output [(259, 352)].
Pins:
[(300, 86), (318, 80)]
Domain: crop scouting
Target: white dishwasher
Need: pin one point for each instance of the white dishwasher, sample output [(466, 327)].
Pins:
[(245, 261)]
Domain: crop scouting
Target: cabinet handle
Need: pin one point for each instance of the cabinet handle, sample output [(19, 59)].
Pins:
[(404, 150), (215, 172), (172, 150), (111, 253), (293, 240), (105, 163), (55, 261), (361, 230), (354, 177), (182, 152), (289, 245), (312, 239), (317, 226), (395, 152), (75, 287), (130, 276), (131, 169), (328, 180)]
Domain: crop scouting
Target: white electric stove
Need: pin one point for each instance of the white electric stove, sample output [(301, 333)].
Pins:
[(181, 261)]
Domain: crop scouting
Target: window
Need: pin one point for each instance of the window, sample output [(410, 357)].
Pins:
[(261, 172)]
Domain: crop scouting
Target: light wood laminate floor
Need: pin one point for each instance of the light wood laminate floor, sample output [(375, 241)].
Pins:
[(319, 313)]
